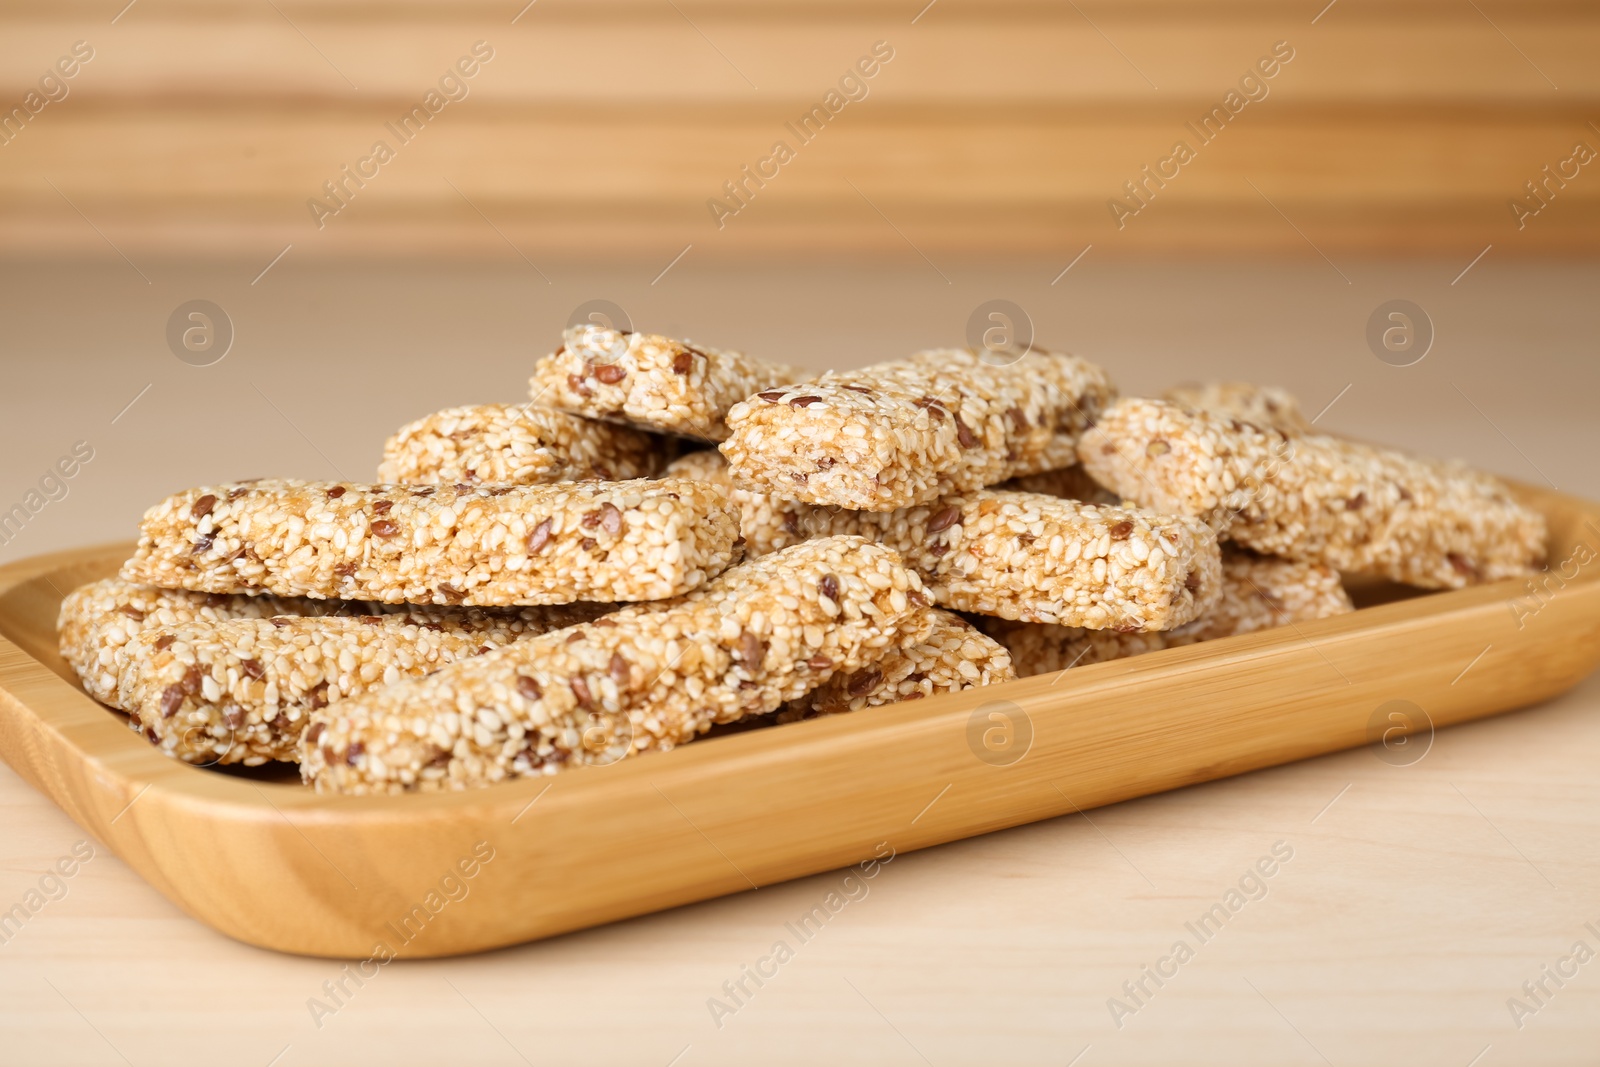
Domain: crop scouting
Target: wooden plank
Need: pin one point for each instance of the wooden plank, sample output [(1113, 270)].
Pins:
[(501, 11), (1443, 57), (235, 182), (604, 129)]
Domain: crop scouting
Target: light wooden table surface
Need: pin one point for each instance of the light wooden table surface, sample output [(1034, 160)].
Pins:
[(1418, 898)]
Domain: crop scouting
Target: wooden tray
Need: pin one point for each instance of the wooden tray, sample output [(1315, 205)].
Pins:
[(268, 862)]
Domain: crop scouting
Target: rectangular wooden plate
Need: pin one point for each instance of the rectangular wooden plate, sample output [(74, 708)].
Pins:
[(262, 859)]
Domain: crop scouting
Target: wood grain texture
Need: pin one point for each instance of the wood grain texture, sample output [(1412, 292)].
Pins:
[(603, 129), (273, 864)]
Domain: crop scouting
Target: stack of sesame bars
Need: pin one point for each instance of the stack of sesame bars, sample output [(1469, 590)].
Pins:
[(670, 538)]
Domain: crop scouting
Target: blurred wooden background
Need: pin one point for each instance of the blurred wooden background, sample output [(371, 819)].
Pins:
[(602, 128)]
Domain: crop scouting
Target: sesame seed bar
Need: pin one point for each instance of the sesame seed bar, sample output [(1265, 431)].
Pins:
[(516, 444), (96, 622), (675, 387), (1258, 592), (240, 690), (486, 546), (952, 657), (644, 678), (899, 434), (1039, 648), (1038, 558), (1260, 405), (1350, 506)]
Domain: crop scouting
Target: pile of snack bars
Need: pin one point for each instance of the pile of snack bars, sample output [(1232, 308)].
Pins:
[(671, 537)]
